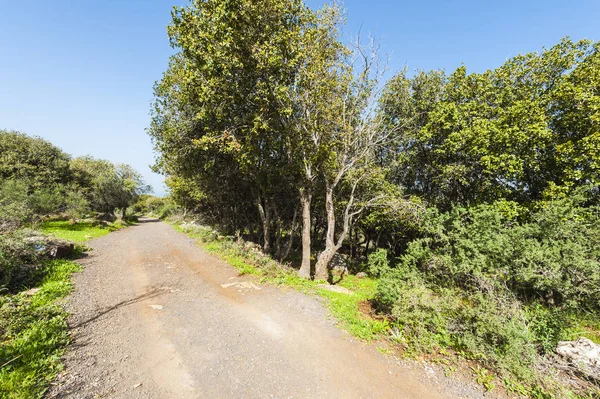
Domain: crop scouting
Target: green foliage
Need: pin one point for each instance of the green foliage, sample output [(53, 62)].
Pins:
[(20, 259), (155, 206), (76, 205), (378, 265), (548, 325), (39, 180), (495, 285), (552, 257), (32, 159), (34, 333), (108, 186), (14, 210), (20, 205), (521, 132)]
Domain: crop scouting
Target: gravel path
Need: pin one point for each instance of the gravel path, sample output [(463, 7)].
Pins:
[(155, 316)]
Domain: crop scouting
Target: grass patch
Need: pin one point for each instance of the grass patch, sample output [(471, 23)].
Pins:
[(78, 232), (346, 308), (34, 334)]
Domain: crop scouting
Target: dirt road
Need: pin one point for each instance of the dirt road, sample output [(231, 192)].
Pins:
[(155, 316)]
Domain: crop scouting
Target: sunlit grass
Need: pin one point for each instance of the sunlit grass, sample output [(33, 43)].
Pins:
[(34, 334), (78, 232)]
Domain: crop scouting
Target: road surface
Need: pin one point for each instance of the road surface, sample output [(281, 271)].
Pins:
[(155, 316)]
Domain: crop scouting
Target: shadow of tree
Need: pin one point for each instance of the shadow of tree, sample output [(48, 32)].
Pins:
[(155, 292)]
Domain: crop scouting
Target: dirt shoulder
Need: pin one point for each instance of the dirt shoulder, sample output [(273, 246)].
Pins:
[(154, 316)]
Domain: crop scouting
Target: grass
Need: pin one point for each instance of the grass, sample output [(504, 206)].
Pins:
[(78, 232), (33, 324), (34, 334), (346, 308)]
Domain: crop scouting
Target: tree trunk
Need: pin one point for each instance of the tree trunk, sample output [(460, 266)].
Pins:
[(330, 246), (288, 246), (124, 213), (305, 200), (279, 229), (266, 222)]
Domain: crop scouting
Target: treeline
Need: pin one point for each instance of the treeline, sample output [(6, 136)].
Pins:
[(279, 131), (38, 180), (473, 197)]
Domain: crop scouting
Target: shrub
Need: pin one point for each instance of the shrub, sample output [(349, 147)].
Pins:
[(378, 264), (19, 259), (494, 282), (76, 205), (13, 205)]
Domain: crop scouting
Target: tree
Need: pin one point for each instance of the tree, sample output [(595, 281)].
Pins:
[(359, 131), (223, 108), (520, 132), (32, 159), (108, 187), (264, 100)]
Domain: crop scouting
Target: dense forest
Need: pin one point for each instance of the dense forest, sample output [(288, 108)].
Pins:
[(473, 198)]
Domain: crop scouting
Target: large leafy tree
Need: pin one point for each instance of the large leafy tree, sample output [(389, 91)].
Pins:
[(107, 186), (32, 159), (264, 101), (523, 131), (217, 114)]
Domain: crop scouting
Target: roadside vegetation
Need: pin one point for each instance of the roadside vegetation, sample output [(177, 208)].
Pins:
[(50, 204), (470, 200)]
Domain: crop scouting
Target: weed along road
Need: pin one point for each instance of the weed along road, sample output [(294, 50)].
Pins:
[(155, 316)]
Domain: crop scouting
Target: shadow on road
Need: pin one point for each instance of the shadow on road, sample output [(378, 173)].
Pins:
[(148, 295)]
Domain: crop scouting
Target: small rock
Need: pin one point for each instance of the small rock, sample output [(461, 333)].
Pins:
[(156, 307), (583, 354), (361, 275), (335, 288), (242, 284), (137, 385), (31, 292)]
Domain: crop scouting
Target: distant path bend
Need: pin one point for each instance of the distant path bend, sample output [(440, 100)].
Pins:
[(155, 316)]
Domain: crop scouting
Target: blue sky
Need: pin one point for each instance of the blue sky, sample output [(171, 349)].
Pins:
[(80, 73)]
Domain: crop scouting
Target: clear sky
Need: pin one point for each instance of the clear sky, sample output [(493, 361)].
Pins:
[(80, 72)]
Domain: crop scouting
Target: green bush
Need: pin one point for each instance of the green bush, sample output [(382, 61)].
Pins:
[(494, 282), (156, 206), (378, 264), (554, 257), (76, 205), (21, 205), (14, 211), (166, 210)]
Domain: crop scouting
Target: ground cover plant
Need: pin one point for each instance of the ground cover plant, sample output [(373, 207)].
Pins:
[(34, 333)]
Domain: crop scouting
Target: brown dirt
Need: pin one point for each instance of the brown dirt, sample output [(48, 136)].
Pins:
[(154, 316)]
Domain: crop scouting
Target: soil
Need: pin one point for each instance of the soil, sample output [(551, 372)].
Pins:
[(155, 316)]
